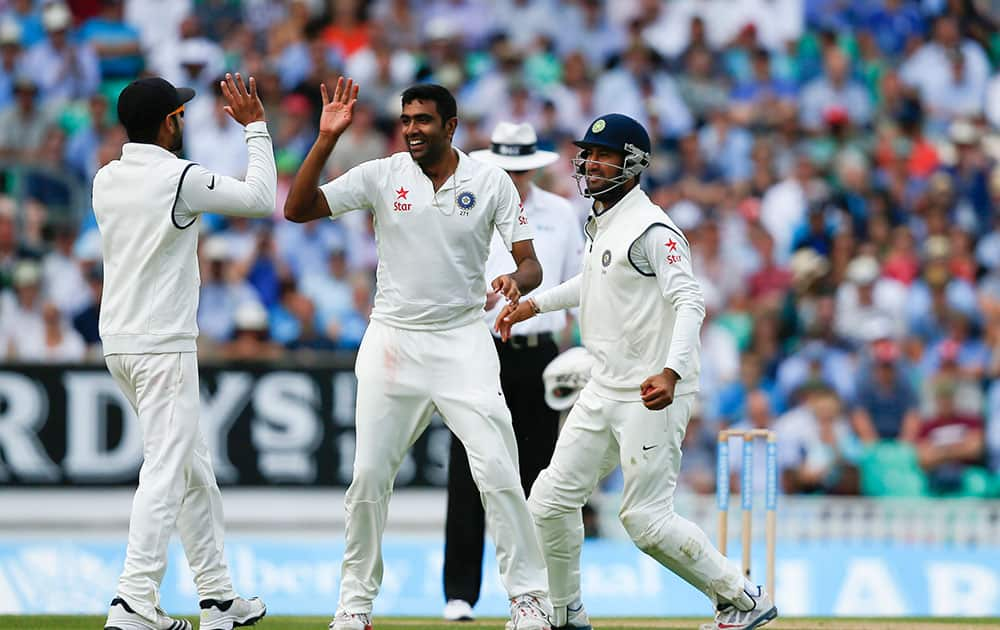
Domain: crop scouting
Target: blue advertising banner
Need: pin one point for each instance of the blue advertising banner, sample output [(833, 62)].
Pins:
[(301, 576)]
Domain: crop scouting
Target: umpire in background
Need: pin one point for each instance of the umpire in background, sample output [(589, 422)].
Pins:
[(559, 245)]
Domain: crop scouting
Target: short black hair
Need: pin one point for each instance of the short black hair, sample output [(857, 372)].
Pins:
[(146, 134), (442, 98)]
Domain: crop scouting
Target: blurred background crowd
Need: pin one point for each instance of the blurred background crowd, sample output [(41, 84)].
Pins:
[(833, 163)]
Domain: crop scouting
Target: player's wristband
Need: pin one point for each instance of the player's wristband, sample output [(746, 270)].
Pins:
[(534, 306)]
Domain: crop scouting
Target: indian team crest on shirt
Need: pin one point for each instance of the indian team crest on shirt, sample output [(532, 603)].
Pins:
[(606, 258), (466, 200)]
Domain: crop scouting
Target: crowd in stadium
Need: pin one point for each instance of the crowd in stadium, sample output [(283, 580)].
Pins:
[(833, 163)]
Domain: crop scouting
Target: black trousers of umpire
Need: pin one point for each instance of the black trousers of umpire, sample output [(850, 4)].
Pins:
[(536, 426)]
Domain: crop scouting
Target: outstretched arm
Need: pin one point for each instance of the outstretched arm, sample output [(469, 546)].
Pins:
[(305, 201), (204, 191)]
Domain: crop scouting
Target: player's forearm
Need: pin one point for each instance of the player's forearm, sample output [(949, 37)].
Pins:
[(565, 295), (262, 173), (203, 191), (683, 291), (528, 275), (301, 204)]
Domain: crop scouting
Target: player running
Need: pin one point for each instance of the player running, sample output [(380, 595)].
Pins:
[(641, 311), (427, 346)]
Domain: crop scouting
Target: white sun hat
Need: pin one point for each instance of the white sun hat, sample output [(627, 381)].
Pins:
[(513, 148)]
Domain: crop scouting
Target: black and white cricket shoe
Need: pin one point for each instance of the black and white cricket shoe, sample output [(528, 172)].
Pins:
[(121, 616), (232, 613)]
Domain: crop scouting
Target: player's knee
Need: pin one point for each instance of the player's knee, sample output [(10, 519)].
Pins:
[(649, 527), (496, 473), (370, 482), (542, 500)]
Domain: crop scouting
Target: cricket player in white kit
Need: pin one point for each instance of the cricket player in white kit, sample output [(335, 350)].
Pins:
[(640, 317), (427, 346), (147, 206)]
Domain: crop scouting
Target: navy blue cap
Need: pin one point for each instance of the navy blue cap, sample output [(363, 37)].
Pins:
[(614, 131), (148, 101)]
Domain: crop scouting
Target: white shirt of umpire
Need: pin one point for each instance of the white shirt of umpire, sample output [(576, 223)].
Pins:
[(147, 206), (558, 245), (432, 247)]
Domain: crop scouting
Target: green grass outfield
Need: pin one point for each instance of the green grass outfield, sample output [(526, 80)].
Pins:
[(395, 623)]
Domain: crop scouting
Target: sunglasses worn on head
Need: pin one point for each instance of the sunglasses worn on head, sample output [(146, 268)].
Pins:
[(179, 111)]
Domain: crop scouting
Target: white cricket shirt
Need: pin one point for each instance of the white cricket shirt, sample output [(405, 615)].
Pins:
[(559, 247), (147, 206), (641, 307), (432, 247)]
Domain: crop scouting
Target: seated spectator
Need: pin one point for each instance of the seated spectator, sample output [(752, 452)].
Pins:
[(23, 124), (250, 338), (817, 450), (330, 290), (835, 88), (758, 415), (886, 407), (866, 296), (11, 59), (950, 441), (54, 341), (115, 41), (64, 69), (698, 464), (223, 289), (87, 321), (12, 249)]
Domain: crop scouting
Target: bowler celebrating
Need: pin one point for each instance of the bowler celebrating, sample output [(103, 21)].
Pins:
[(427, 346), (640, 316), (147, 206)]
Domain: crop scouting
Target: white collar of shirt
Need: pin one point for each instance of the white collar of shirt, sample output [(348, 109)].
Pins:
[(630, 198), (143, 152)]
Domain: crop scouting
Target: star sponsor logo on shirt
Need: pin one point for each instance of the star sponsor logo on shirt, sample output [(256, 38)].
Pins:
[(400, 206), (671, 246), (522, 218)]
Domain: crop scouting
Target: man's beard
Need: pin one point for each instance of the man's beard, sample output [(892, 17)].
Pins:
[(178, 143)]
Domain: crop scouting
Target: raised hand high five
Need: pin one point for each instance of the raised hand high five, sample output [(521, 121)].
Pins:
[(243, 105), (338, 112)]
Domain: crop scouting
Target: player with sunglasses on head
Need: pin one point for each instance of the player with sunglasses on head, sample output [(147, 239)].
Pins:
[(147, 205), (641, 311)]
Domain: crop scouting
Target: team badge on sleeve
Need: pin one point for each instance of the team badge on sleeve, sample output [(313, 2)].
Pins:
[(466, 200)]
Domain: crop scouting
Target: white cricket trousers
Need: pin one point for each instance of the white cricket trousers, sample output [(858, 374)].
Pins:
[(402, 376), (177, 486), (598, 434)]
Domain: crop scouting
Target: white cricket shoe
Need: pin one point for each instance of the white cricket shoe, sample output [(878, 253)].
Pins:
[(121, 616), (458, 610), (728, 617), (528, 612), (571, 617), (233, 613), (351, 621)]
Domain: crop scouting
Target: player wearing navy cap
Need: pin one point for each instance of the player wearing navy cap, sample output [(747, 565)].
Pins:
[(641, 311)]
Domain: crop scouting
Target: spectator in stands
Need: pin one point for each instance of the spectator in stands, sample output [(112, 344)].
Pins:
[(21, 307), (115, 41), (223, 290), (50, 340), (23, 123), (87, 321), (11, 56), (698, 463), (330, 290), (949, 441), (835, 88), (886, 407), (758, 415), (64, 69), (250, 337), (817, 448)]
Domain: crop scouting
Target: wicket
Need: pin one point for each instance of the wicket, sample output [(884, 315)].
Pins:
[(746, 494)]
